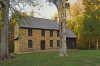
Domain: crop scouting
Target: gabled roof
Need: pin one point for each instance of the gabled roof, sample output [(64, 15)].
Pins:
[(70, 34), (41, 23)]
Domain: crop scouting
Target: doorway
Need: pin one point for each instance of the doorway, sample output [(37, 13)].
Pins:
[(42, 44)]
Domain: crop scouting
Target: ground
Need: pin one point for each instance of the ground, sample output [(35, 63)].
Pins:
[(75, 58)]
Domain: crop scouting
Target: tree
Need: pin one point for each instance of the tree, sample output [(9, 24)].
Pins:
[(92, 18), (75, 19), (12, 22), (76, 25), (31, 13), (11, 35), (54, 16), (5, 5), (60, 4), (0, 24), (24, 14), (4, 53), (63, 32), (77, 8)]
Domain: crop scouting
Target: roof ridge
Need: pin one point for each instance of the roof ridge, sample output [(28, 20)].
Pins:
[(37, 18)]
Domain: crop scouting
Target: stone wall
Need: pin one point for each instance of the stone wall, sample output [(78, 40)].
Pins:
[(36, 40)]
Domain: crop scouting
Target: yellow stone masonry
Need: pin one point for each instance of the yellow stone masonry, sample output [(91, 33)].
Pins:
[(21, 45)]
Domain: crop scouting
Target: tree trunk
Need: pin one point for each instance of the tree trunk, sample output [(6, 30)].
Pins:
[(62, 20), (97, 43), (4, 53)]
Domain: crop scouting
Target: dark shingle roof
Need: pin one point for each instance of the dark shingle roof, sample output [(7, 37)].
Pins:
[(29, 22), (40, 23), (70, 34)]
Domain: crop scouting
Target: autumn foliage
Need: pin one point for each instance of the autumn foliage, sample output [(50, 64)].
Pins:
[(86, 29)]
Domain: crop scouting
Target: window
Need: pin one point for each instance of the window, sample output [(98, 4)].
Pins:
[(43, 33), (29, 43), (51, 33), (73, 44), (58, 43), (29, 32), (51, 43), (58, 34)]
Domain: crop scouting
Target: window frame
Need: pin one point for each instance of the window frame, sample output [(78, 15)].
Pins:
[(42, 32), (29, 43), (51, 43), (58, 43), (58, 35), (51, 33), (29, 31)]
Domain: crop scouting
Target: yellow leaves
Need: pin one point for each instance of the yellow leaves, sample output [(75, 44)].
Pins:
[(1, 23), (31, 13), (18, 13), (13, 21), (24, 14), (54, 17)]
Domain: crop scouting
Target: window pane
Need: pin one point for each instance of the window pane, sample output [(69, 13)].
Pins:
[(58, 34), (51, 43), (30, 32), (51, 33), (29, 43), (58, 43), (43, 33)]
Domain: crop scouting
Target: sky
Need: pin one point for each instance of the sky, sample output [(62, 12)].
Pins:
[(46, 11)]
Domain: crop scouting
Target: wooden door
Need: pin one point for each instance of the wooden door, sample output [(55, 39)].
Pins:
[(42, 44), (71, 43)]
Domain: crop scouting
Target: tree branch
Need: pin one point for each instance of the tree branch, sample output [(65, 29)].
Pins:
[(3, 3)]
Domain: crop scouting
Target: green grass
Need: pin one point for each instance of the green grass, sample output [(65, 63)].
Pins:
[(75, 58)]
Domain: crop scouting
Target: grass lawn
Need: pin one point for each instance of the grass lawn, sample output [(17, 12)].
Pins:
[(75, 58)]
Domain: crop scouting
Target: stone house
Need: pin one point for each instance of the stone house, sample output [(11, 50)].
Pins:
[(36, 34)]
